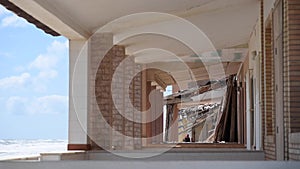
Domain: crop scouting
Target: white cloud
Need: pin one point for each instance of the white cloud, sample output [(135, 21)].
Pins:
[(44, 62), (35, 75), (49, 74), (16, 105), (39, 86), (19, 69), (15, 81), (40, 81), (57, 46), (50, 59), (51, 104), (13, 21), (47, 64)]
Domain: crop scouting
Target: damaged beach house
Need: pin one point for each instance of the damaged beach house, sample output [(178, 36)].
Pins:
[(232, 65)]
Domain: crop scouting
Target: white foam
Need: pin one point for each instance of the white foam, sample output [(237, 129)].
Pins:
[(12, 149)]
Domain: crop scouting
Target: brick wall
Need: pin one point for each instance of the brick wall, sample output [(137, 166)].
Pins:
[(292, 78), (269, 111), (293, 62), (291, 84), (269, 84)]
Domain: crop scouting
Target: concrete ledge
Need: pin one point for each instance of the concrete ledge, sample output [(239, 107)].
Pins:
[(210, 145), (27, 159), (154, 164), (58, 156), (178, 155), (183, 154)]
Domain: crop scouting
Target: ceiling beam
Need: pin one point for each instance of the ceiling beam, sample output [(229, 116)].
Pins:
[(183, 76)]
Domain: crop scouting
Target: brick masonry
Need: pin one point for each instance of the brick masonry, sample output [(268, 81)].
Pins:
[(292, 79), (98, 131), (268, 99), (108, 128), (291, 84)]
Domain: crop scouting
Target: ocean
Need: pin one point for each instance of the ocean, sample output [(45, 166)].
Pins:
[(11, 149)]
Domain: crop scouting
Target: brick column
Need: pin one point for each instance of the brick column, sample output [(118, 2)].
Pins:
[(98, 130), (108, 126), (154, 127), (137, 103), (157, 114)]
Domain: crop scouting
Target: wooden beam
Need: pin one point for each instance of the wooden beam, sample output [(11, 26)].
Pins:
[(185, 96), (160, 82)]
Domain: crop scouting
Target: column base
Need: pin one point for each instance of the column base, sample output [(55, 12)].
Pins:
[(79, 147)]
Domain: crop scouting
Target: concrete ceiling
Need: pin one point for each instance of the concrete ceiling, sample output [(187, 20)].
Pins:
[(227, 23), (93, 14), (223, 23)]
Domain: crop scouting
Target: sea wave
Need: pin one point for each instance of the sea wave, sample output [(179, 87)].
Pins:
[(11, 149), (8, 142)]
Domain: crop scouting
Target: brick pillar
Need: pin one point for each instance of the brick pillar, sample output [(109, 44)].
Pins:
[(154, 127), (99, 86), (111, 115), (148, 115), (153, 113), (157, 116), (132, 125), (137, 103), (116, 55)]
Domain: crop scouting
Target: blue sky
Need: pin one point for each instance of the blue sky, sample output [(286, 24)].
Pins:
[(33, 81)]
